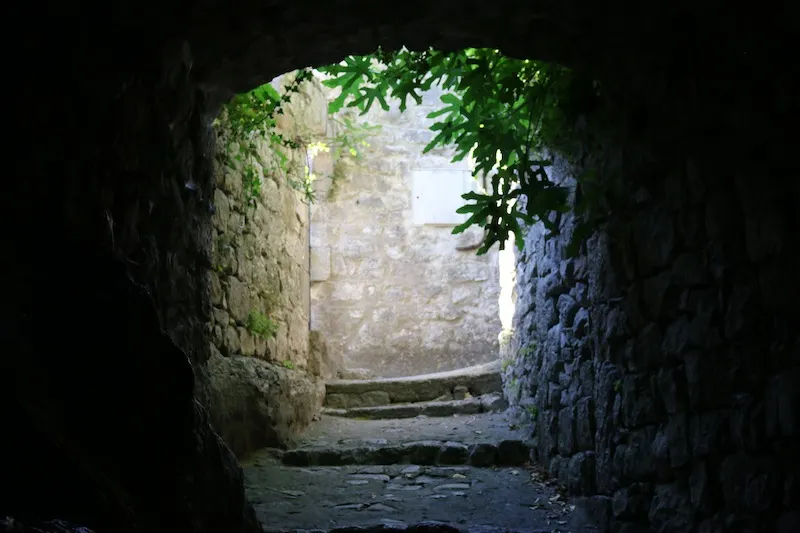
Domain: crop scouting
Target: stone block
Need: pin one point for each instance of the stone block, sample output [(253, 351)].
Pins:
[(555, 466), (580, 473), (688, 269), (676, 337), (216, 289), (231, 343), (248, 395), (677, 435), (591, 513), (749, 483), (654, 291), (672, 388), (238, 299), (483, 454), (638, 462), (453, 453), (320, 263), (512, 453), (638, 406), (670, 510), (646, 351), (699, 488), (654, 239), (782, 400), (247, 342), (709, 432), (585, 425), (566, 431), (747, 423), (632, 502), (422, 452)]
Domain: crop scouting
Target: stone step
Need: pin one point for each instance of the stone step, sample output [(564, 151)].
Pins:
[(488, 403), (453, 385), (441, 453)]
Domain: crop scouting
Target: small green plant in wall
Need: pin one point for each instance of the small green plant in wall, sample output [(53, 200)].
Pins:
[(288, 364), (525, 351), (260, 324)]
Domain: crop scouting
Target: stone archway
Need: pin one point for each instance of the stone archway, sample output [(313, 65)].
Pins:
[(114, 161)]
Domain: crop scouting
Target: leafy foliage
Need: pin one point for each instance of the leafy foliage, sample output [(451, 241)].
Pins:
[(507, 114), (251, 117), (259, 324), (351, 137), (350, 140)]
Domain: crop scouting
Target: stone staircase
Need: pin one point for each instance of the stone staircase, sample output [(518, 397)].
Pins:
[(466, 391), (372, 464)]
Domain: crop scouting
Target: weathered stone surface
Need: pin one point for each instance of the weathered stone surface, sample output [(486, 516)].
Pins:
[(321, 362), (260, 267), (453, 453), (493, 402), (392, 291), (470, 406), (749, 483), (632, 502), (662, 373), (483, 454), (320, 263), (670, 509), (593, 512), (366, 399), (135, 184), (354, 373), (478, 380), (423, 453), (581, 473), (512, 452), (466, 499), (255, 404)]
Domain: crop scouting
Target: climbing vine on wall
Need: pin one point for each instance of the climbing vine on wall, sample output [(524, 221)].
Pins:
[(508, 114), (348, 143), (250, 118)]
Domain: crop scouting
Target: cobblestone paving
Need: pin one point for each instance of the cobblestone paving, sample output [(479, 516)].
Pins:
[(394, 497)]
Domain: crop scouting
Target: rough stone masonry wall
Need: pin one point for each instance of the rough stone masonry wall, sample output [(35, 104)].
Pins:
[(659, 368), (264, 388), (387, 295)]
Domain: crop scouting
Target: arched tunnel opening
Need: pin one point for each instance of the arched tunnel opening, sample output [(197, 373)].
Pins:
[(657, 368)]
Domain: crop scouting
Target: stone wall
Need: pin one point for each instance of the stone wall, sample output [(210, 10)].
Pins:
[(658, 369), (128, 178), (265, 385), (390, 295)]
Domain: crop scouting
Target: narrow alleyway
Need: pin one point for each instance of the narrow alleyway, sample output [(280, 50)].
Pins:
[(463, 468)]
